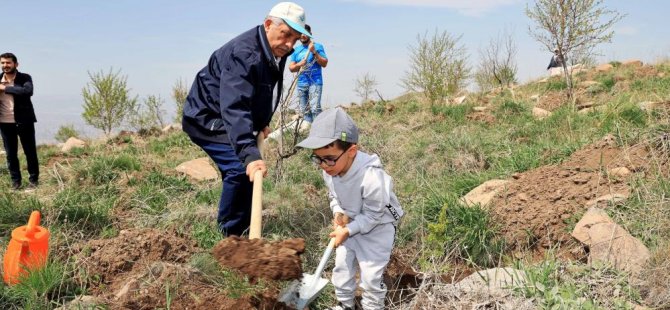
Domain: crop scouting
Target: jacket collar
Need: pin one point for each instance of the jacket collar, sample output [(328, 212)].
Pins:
[(267, 51)]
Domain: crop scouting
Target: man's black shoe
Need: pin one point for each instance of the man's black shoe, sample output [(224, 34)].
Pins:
[(16, 186), (33, 185)]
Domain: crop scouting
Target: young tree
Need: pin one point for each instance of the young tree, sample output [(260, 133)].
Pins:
[(179, 93), (107, 100), (573, 27), (497, 62), (148, 115), (438, 66), (365, 85)]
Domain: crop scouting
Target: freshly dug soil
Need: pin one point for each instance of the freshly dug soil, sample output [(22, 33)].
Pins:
[(105, 259), (258, 258), (537, 208)]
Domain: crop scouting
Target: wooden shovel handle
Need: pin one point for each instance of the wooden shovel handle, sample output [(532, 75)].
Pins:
[(257, 198), (256, 207)]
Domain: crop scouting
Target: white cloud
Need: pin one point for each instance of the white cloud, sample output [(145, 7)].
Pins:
[(465, 7)]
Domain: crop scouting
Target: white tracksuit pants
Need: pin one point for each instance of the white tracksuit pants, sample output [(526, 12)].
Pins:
[(369, 253)]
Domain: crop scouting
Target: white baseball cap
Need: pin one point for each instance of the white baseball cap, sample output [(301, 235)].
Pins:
[(292, 14)]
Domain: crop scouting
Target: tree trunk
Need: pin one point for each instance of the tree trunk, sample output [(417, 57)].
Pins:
[(568, 80)]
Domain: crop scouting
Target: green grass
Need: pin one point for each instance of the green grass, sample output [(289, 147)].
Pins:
[(453, 113), (208, 196), (206, 234), (435, 154), (85, 209), (468, 232), (646, 213), (230, 282), (45, 288), (556, 84), (560, 285), (15, 211), (607, 82), (164, 146), (105, 169), (157, 190)]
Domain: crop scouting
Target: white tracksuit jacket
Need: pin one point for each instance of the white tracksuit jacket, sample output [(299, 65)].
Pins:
[(365, 194)]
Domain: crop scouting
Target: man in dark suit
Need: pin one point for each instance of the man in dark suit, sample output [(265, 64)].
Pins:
[(17, 119)]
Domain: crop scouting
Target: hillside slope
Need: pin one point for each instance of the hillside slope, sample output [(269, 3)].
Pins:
[(132, 232)]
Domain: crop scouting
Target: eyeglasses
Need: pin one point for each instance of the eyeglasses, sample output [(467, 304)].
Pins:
[(328, 161)]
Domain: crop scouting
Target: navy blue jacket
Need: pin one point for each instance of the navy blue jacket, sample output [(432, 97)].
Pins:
[(22, 91), (231, 97)]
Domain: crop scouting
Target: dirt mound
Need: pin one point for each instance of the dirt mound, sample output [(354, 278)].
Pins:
[(106, 258), (168, 285), (144, 269), (538, 206), (257, 258)]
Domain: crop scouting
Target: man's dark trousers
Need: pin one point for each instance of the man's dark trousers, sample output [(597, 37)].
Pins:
[(11, 132), (235, 203)]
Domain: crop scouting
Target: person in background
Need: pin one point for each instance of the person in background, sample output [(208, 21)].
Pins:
[(555, 64), (17, 120), (231, 102), (310, 56)]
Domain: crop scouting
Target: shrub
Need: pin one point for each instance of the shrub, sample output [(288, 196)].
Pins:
[(608, 82), (364, 86), (107, 101), (438, 66), (179, 93), (148, 115), (66, 132)]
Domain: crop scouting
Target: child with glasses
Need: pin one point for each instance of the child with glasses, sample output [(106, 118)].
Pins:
[(365, 208)]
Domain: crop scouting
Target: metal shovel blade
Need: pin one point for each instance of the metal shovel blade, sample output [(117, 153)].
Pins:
[(300, 293)]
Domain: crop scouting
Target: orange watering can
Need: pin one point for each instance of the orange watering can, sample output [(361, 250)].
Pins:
[(27, 250)]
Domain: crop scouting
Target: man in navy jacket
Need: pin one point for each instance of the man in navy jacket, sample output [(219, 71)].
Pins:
[(231, 101), (17, 119)]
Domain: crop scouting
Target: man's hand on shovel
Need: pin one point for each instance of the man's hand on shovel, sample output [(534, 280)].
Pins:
[(253, 166)]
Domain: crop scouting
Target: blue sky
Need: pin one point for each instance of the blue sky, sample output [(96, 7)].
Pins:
[(156, 42)]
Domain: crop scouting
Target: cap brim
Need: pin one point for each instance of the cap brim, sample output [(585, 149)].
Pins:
[(297, 27), (315, 142)]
